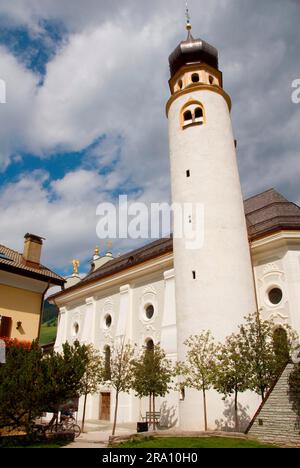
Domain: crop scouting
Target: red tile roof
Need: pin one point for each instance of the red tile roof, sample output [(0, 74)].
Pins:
[(13, 262)]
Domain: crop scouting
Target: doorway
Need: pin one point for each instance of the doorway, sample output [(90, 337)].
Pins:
[(105, 407)]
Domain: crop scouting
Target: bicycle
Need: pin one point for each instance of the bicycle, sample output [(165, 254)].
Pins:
[(66, 425)]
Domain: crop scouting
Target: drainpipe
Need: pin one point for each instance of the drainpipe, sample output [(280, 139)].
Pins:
[(42, 310)]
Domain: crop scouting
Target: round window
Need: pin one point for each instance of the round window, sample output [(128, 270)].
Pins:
[(108, 321), (195, 78), (275, 296), (149, 312)]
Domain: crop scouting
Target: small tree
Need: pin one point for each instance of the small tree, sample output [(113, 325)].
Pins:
[(152, 376), (199, 369), (232, 372), (62, 376), (120, 373), (31, 383), (265, 353), (92, 378), (21, 381)]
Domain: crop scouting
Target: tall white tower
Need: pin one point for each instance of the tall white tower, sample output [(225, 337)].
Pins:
[(214, 281)]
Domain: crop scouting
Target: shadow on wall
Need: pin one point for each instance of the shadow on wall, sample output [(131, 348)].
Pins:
[(228, 423), (168, 416)]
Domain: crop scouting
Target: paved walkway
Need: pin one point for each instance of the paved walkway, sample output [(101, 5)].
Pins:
[(96, 435)]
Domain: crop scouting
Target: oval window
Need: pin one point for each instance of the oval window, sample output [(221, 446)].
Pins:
[(275, 296), (108, 321), (149, 312)]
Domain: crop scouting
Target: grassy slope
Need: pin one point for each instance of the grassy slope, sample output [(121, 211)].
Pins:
[(48, 334), (209, 442)]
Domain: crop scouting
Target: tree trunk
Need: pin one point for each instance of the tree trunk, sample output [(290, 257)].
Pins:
[(29, 425), (116, 414), (236, 415), (150, 410), (262, 390), (154, 421), (205, 410), (84, 411)]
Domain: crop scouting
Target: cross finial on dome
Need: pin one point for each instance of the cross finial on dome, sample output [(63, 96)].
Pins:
[(188, 17)]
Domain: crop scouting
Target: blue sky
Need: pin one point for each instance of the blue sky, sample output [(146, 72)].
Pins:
[(85, 113)]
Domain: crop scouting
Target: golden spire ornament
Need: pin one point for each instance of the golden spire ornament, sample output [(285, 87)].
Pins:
[(76, 265), (97, 251)]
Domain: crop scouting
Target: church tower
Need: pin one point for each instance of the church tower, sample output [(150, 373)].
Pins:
[(214, 280)]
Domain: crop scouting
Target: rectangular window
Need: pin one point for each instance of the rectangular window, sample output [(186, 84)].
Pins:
[(188, 174), (5, 326), (194, 275)]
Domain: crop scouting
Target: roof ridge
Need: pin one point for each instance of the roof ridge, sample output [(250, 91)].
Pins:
[(11, 250), (272, 189)]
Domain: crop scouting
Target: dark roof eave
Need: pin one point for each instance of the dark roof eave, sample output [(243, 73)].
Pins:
[(33, 275), (162, 247)]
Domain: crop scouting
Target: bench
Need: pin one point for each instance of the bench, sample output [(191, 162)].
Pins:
[(150, 416)]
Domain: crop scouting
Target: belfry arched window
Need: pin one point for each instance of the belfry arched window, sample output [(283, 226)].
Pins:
[(192, 114), (188, 117)]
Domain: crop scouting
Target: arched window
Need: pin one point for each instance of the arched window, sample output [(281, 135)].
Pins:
[(211, 80), (180, 84), (192, 114), (76, 329), (107, 357), (195, 78), (188, 116), (199, 114), (150, 344)]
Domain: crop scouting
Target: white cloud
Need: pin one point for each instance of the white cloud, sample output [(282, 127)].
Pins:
[(17, 112), (109, 79)]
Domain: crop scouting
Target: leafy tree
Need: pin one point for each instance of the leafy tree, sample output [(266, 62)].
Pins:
[(93, 377), (31, 383), (232, 372), (62, 375), (20, 382), (152, 376), (199, 369), (265, 353), (120, 373)]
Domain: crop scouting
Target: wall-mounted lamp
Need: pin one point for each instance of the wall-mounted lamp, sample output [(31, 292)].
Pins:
[(19, 325)]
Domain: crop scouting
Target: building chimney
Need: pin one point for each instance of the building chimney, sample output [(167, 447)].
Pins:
[(32, 249)]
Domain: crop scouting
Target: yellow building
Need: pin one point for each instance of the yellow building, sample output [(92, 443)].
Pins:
[(23, 285)]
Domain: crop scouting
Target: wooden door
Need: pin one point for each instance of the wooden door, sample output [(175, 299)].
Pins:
[(105, 407)]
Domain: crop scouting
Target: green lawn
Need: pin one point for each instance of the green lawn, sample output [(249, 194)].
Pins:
[(48, 334), (41, 446), (207, 442)]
